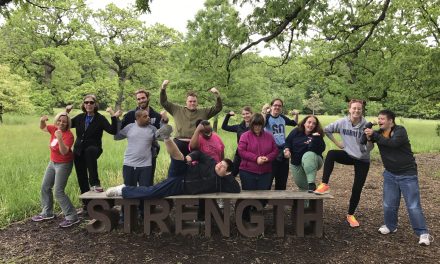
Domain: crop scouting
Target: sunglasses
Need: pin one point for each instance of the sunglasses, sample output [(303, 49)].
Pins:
[(89, 102)]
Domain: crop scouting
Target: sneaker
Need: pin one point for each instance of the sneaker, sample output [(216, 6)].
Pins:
[(426, 239), (164, 132), (39, 218), (97, 189), (68, 223), (323, 188), (352, 221), (114, 191), (312, 187), (385, 231), (82, 212), (221, 203)]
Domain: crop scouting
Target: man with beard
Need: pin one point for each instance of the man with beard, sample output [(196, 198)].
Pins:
[(156, 119)]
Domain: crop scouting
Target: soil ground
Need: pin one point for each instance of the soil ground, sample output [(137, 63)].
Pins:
[(28, 242)]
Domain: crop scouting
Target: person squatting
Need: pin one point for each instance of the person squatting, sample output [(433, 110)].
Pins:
[(197, 159)]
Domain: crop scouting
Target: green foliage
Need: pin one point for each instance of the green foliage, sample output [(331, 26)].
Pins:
[(14, 92)]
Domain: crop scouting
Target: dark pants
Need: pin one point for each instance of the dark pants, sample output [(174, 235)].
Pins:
[(236, 162), (86, 167), (280, 172), (254, 181), (168, 187), (178, 167), (360, 174), (134, 175)]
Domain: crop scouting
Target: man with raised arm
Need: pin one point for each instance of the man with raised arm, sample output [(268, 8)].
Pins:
[(185, 118)]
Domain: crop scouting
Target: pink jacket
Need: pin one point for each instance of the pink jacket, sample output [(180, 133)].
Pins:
[(251, 147)]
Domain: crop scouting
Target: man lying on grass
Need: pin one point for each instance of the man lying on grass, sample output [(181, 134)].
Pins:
[(204, 175)]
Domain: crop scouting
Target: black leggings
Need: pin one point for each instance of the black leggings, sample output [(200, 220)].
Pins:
[(360, 174)]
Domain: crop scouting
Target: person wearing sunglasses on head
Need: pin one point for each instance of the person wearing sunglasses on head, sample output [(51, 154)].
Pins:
[(88, 145)]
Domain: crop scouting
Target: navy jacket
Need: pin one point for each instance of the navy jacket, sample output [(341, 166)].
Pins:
[(299, 143)]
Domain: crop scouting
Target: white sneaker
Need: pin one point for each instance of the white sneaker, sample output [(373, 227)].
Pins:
[(114, 191), (385, 231), (221, 203), (426, 239)]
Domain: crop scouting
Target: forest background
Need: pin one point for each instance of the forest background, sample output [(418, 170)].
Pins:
[(386, 52)]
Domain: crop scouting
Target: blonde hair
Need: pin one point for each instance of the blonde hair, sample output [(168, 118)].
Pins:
[(59, 115)]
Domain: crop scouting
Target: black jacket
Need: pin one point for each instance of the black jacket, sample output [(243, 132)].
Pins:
[(92, 136), (202, 178), (130, 117), (239, 129), (396, 153)]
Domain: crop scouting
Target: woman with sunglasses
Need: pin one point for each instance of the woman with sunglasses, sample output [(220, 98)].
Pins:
[(58, 171), (351, 129), (88, 145)]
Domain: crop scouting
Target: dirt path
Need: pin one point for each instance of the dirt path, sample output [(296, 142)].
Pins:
[(28, 242)]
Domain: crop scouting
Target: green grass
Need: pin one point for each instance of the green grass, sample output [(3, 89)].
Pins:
[(24, 155)]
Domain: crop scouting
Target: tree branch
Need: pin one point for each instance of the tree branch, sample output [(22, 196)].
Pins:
[(281, 27), (374, 24)]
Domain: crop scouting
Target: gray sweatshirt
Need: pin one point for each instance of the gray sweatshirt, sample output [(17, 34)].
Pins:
[(140, 139), (351, 137)]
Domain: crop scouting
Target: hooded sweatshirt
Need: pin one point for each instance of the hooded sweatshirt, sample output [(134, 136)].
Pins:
[(351, 137)]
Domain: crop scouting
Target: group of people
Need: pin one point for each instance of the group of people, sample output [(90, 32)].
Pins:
[(198, 164)]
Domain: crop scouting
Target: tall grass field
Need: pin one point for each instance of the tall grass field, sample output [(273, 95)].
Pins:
[(24, 155)]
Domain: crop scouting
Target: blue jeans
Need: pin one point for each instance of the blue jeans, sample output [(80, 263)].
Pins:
[(254, 181), (395, 185), (168, 187)]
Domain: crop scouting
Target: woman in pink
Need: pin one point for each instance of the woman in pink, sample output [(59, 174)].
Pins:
[(58, 171), (257, 149)]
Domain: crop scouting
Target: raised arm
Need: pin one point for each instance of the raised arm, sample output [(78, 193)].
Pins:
[(225, 126), (194, 142), (170, 107), (43, 125), (218, 103)]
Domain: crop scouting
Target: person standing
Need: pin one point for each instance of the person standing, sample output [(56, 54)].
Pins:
[(276, 124), (400, 176), (246, 114), (137, 168), (88, 145), (58, 171), (351, 129), (257, 150), (304, 147), (185, 118), (156, 119)]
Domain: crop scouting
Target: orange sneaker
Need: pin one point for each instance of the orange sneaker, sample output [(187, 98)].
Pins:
[(352, 221), (323, 188)]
